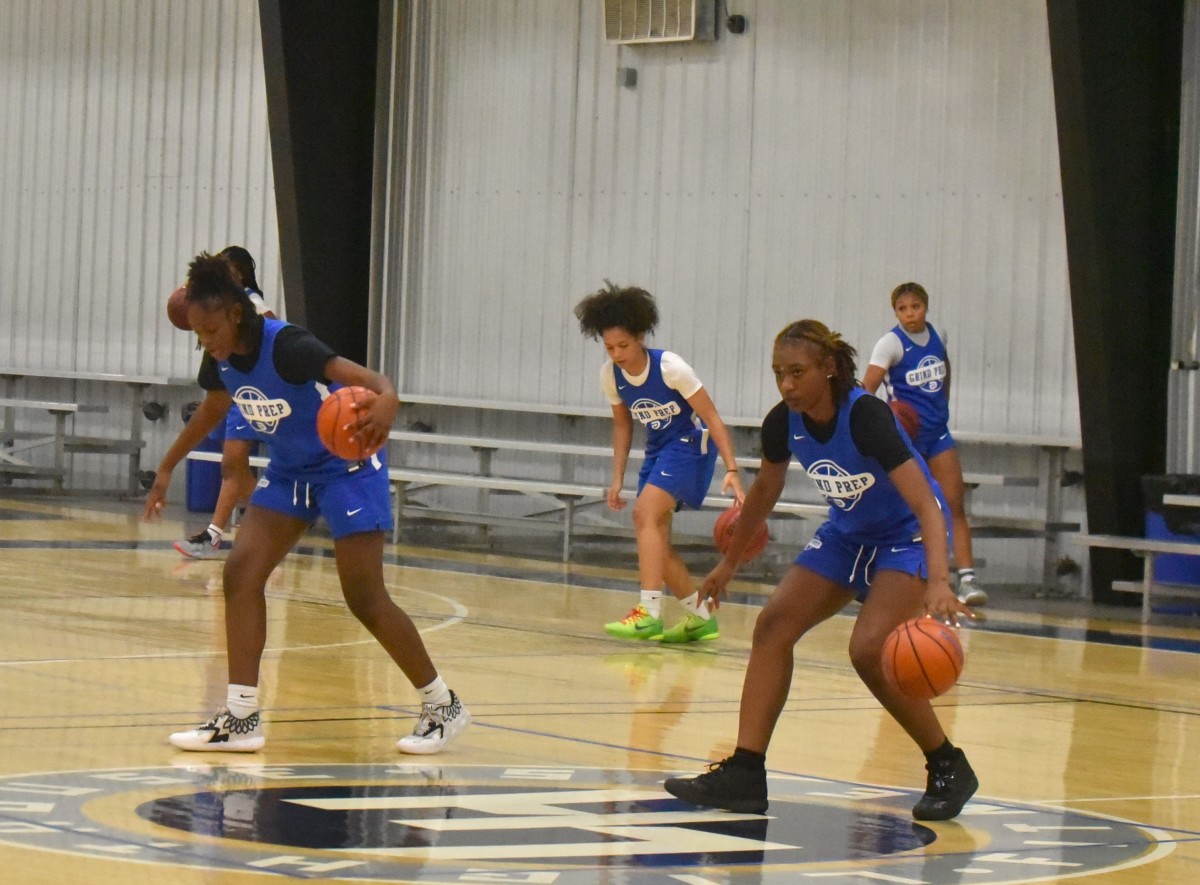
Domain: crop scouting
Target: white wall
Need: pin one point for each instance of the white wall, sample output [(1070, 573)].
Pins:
[(133, 134), (805, 168)]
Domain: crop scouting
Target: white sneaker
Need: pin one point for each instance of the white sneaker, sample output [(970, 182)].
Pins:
[(224, 733), (437, 727), (970, 593), (201, 546)]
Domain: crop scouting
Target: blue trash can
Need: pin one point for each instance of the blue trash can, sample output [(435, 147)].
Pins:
[(1172, 523), (204, 477)]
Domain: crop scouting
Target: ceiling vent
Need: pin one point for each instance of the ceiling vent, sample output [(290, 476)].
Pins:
[(659, 21)]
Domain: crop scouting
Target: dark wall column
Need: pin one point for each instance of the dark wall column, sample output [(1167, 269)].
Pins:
[(1117, 66), (320, 60)]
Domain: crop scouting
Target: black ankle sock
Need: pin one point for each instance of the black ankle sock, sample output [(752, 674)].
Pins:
[(942, 753), (748, 759)]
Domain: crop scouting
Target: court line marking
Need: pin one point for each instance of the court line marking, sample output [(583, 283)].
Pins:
[(460, 613)]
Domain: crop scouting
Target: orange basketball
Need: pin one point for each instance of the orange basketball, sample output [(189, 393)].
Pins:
[(177, 309), (907, 416), (335, 423), (922, 658), (723, 532)]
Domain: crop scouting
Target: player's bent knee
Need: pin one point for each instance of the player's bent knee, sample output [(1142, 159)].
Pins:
[(865, 658), (370, 605), (776, 627)]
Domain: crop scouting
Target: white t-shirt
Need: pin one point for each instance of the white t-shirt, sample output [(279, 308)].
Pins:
[(678, 375), (260, 303), (889, 349)]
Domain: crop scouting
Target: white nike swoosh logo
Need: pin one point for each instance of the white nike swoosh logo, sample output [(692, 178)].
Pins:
[(621, 386), (899, 549), (943, 436), (664, 473), (797, 437), (907, 349), (224, 368), (240, 427), (352, 512)]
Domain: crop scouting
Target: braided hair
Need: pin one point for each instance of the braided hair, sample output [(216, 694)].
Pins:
[(629, 307), (211, 284), (243, 265), (831, 344)]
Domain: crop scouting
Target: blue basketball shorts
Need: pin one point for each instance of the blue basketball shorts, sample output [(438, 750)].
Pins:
[(237, 427), (683, 472), (832, 555), (351, 503), (932, 442)]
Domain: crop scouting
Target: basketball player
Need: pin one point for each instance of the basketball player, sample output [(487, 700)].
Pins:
[(684, 433), (237, 439), (913, 359), (278, 372), (884, 543)]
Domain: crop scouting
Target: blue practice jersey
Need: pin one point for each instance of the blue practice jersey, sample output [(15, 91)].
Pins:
[(282, 415), (919, 379), (664, 411), (864, 505)]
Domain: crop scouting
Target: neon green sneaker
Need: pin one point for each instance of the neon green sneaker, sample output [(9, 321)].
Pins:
[(693, 628), (638, 624)]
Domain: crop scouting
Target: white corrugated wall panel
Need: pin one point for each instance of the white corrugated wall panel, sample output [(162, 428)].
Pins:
[(803, 169), (916, 141), (133, 134)]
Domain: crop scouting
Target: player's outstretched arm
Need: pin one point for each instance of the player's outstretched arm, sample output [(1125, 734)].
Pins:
[(703, 405), (210, 413), (622, 439), (757, 506), (940, 600)]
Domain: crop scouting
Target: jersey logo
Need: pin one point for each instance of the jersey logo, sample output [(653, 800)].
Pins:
[(655, 415), (929, 375), (840, 488), (263, 413)]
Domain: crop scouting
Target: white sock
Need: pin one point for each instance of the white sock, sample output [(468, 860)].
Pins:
[(214, 533), (695, 606), (965, 575), (435, 693), (652, 601), (242, 700)]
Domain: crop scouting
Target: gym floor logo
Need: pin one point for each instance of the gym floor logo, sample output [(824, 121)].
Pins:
[(556, 826)]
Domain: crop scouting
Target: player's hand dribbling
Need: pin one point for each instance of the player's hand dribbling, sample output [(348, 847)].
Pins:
[(614, 498), (156, 497), (716, 581), (941, 603), (732, 485)]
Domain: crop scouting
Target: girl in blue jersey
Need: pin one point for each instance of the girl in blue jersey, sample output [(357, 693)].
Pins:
[(884, 543), (913, 359), (275, 374), (236, 436), (684, 433)]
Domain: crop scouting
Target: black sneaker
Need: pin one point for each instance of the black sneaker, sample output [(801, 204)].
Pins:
[(724, 785), (950, 784)]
